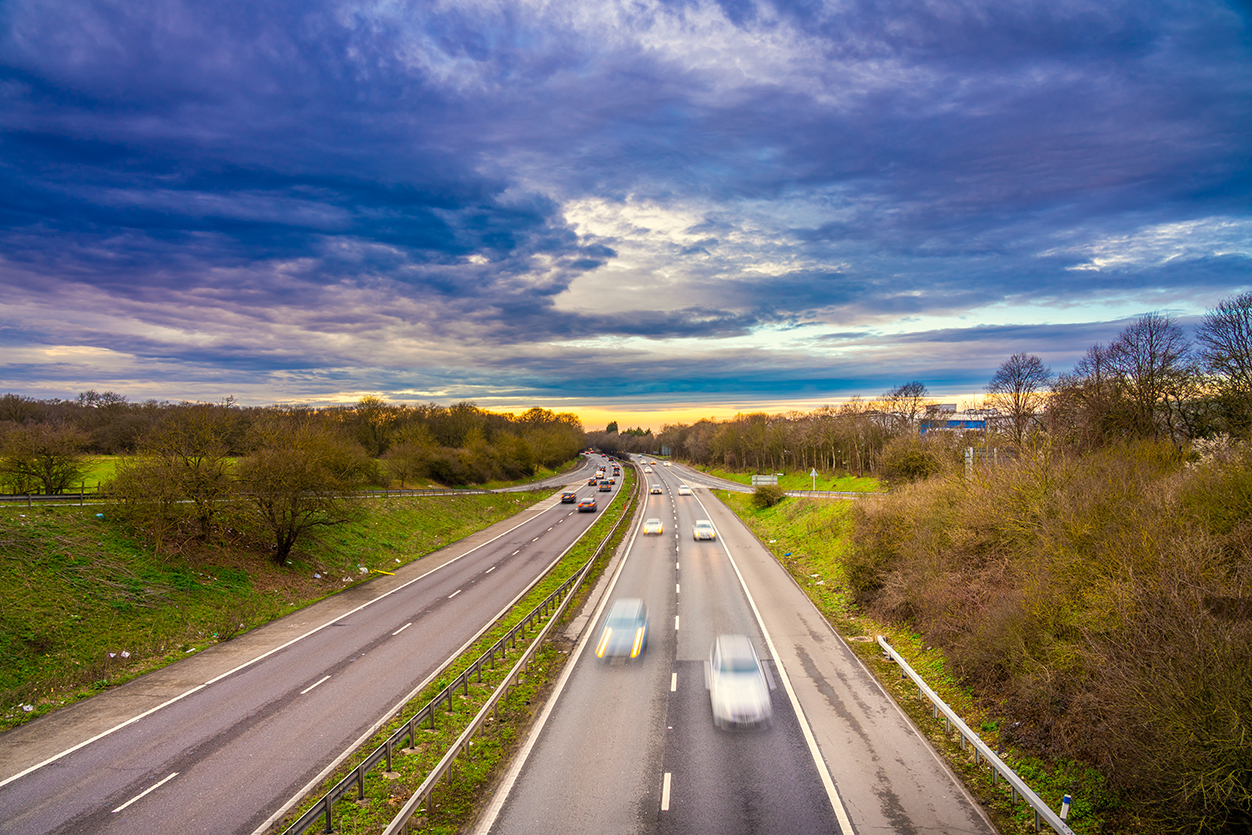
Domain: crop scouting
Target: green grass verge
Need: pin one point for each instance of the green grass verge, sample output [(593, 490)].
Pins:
[(801, 480), (86, 606), (809, 538), (458, 797)]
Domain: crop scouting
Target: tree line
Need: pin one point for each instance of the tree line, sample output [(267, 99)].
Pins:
[(284, 471), (1150, 383)]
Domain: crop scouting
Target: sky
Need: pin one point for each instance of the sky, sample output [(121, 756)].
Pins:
[(645, 211)]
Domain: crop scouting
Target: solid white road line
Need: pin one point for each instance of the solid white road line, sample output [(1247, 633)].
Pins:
[(314, 684), (145, 792)]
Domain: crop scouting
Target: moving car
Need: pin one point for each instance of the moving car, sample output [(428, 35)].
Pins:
[(651, 526), (592, 482), (587, 506), (569, 497), (647, 469), (703, 529), (625, 632), (667, 463), (655, 490), (684, 490), (605, 487), (738, 689)]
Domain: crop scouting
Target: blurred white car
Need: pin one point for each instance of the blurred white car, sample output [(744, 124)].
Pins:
[(738, 689), (703, 529), (667, 463), (655, 489), (625, 633), (651, 526), (647, 469), (684, 490)]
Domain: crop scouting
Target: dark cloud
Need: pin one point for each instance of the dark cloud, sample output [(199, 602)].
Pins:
[(230, 189)]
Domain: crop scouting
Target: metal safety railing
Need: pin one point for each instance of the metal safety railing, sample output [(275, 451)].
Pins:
[(551, 608), (999, 770)]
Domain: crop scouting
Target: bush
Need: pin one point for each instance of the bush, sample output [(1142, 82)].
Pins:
[(767, 495), (909, 457)]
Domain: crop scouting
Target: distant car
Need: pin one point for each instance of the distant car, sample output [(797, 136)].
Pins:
[(684, 490), (569, 497), (667, 463), (647, 469), (592, 482), (612, 481), (703, 529), (655, 490), (653, 526), (605, 487), (738, 690), (625, 633), (617, 471), (587, 506)]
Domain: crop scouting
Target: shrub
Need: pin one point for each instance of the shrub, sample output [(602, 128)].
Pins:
[(767, 495)]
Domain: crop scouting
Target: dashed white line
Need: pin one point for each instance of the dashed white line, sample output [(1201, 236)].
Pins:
[(489, 570), (454, 594), (314, 684), (145, 792), (675, 623), (677, 588), (515, 553), (673, 682), (665, 793), (401, 629)]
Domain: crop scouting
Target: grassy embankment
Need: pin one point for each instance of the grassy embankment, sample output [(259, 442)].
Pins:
[(810, 537), (802, 481), (87, 606)]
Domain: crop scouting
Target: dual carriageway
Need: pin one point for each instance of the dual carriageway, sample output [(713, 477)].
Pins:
[(226, 741)]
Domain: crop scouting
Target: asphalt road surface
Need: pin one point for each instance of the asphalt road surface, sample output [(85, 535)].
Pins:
[(630, 747), (226, 741)]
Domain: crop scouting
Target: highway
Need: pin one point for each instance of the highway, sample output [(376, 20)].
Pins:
[(630, 746), (224, 742)]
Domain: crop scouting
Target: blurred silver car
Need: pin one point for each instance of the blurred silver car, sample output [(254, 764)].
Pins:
[(703, 529), (625, 633), (738, 689)]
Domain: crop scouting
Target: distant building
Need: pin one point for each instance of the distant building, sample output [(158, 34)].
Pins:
[(944, 417)]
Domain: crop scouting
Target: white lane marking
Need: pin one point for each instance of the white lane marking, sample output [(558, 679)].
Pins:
[(314, 684), (675, 623), (677, 589), (673, 682), (515, 553), (536, 539), (401, 629), (489, 570), (676, 566), (145, 792), (454, 594), (665, 793)]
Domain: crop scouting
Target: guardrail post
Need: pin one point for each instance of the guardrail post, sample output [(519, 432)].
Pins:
[(328, 827)]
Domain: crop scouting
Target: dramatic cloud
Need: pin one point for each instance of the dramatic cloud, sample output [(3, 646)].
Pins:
[(533, 203)]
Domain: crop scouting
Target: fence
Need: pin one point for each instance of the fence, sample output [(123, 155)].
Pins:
[(1018, 787), (555, 604), (828, 494)]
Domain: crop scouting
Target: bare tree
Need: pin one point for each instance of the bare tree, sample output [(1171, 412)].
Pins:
[(907, 403), (300, 477), (1018, 389), (1152, 359), (43, 456), (1225, 337)]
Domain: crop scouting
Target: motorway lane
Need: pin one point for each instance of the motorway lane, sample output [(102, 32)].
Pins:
[(883, 776), (617, 730), (242, 746)]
